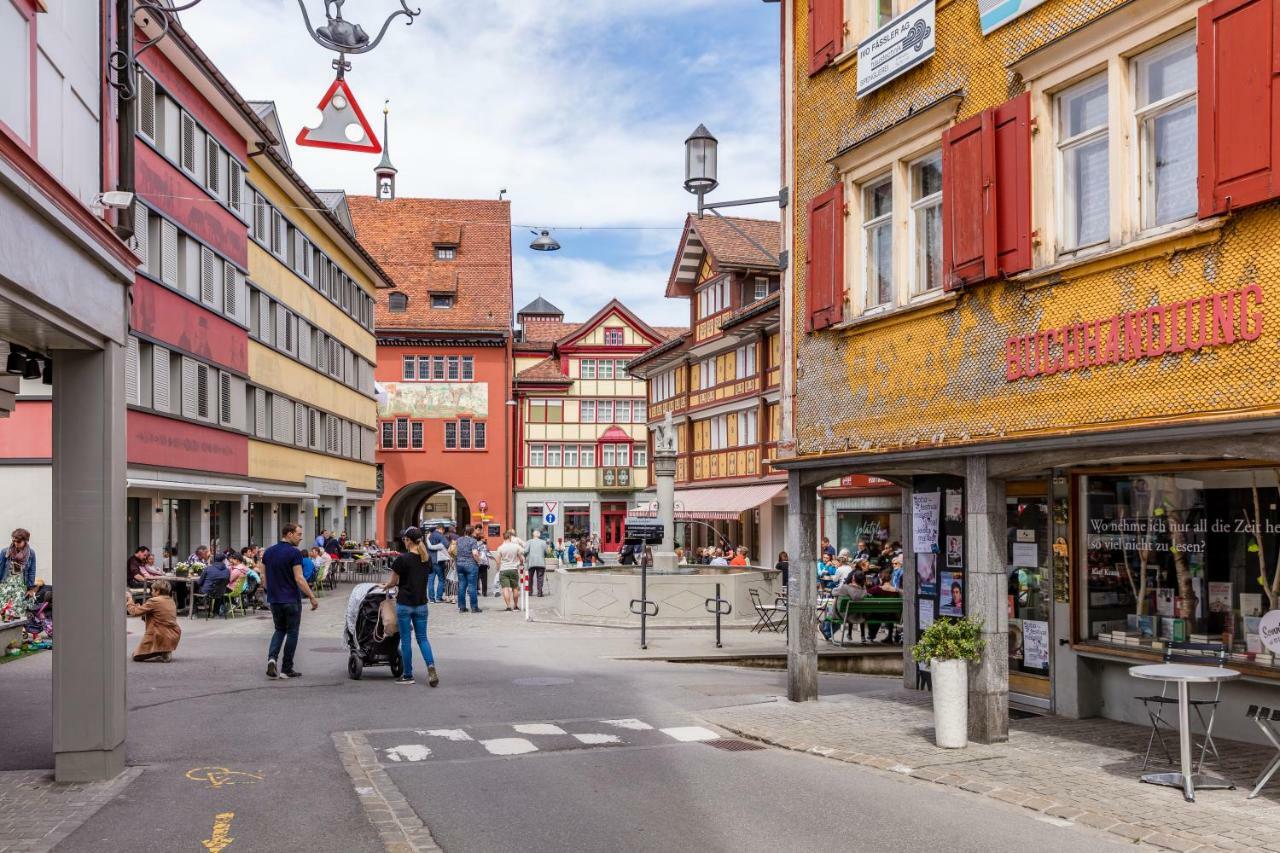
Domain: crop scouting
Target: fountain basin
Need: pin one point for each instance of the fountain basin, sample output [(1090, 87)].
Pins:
[(603, 595)]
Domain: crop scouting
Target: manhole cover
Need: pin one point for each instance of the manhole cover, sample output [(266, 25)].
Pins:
[(333, 650), (545, 681), (731, 745)]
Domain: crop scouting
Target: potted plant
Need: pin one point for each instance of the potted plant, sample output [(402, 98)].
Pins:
[(948, 645)]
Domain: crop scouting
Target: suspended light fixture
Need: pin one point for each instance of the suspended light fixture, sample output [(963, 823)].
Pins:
[(16, 363), (544, 242), (34, 368), (47, 377)]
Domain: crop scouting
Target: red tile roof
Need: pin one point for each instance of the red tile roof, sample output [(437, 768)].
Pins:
[(547, 370), (402, 235), (729, 249), (547, 331)]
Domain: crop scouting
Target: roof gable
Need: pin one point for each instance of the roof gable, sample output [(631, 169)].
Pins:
[(713, 240), (613, 309)]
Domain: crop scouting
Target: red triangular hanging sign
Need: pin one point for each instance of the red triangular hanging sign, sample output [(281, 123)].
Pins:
[(338, 111)]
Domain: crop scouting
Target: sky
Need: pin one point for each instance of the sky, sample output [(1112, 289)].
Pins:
[(577, 108)]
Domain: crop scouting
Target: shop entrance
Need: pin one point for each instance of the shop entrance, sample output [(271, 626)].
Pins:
[(1029, 560), (612, 520)]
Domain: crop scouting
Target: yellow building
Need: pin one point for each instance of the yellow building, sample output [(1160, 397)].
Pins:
[(583, 434), (311, 409), (1031, 246)]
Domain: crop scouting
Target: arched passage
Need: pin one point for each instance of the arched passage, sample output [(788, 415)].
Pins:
[(404, 507)]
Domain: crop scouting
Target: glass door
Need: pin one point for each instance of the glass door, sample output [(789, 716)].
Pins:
[(1029, 571)]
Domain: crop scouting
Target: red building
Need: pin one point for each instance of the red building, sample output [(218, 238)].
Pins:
[(444, 353)]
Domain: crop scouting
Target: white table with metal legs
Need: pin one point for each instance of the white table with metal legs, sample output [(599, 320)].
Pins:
[(1184, 675)]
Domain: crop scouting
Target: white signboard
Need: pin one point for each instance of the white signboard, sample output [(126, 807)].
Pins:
[(1269, 629), (549, 507), (924, 521), (1035, 644), (897, 47), (993, 14)]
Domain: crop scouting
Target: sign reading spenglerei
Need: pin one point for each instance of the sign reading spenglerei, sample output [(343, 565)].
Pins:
[(897, 47)]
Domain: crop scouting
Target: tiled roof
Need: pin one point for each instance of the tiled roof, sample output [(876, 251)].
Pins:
[(548, 331), (547, 370), (728, 248), (670, 332), (402, 234), (542, 307)]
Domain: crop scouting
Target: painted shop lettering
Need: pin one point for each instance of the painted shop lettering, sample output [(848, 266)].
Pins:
[(1219, 319)]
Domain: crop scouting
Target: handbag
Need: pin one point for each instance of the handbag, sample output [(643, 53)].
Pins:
[(387, 623), (453, 548)]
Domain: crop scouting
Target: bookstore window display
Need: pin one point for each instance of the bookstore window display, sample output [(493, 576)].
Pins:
[(1181, 556)]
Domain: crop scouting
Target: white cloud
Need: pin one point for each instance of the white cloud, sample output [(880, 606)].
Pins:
[(580, 287)]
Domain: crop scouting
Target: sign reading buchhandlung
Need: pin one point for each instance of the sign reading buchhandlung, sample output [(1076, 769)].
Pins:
[(897, 47)]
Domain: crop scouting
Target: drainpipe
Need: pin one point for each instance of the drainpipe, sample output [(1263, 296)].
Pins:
[(126, 97)]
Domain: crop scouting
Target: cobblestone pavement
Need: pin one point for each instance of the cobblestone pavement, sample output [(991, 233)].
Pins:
[(36, 813), (1082, 771)]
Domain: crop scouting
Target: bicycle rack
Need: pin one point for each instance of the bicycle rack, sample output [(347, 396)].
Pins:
[(641, 606), (720, 607)]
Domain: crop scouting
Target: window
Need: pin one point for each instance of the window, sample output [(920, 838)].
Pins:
[(877, 230), (17, 62), (446, 253), (663, 387), (640, 457), (450, 435), (387, 432), (588, 368), (639, 412), (415, 438), (437, 367), (553, 455), (613, 337), (464, 434), (746, 361), (713, 298), (537, 455), (604, 369), (620, 369), (587, 456), (402, 433), (624, 455), (622, 411), (397, 303), (452, 361), (480, 435), (1165, 79), (571, 456), (604, 411), (608, 456), (468, 368), (1083, 161), (537, 411), (424, 367), (587, 411), (441, 300), (926, 222), (761, 289)]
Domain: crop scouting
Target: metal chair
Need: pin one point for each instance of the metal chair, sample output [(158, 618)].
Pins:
[(1264, 717), (771, 616), (1155, 705), (216, 597)]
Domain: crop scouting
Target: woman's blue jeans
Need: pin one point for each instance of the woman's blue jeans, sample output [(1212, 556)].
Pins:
[(410, 621)]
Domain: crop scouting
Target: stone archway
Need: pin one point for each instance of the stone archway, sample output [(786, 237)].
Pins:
[(402, 508)]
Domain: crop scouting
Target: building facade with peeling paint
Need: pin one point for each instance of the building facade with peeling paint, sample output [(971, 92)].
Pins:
[(1033, 255)]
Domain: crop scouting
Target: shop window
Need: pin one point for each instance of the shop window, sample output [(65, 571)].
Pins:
[(577, 521), (1085, 210), (1176, 556)]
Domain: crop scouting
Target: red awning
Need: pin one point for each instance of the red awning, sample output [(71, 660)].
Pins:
[(725, 503), (615, 435)]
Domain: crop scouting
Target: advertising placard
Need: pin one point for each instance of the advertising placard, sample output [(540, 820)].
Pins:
[(897, 47), (993, 14)]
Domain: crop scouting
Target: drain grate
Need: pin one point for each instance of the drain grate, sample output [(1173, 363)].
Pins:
[(733, 745)]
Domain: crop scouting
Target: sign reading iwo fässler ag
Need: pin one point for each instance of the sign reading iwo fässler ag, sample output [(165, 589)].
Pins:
[(897, 47)]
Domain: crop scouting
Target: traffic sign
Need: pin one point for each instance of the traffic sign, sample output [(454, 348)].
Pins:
[(340, 114), (549, 507), (549, 518)]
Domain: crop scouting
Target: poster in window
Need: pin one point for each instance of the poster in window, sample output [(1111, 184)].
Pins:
[(927, 572), (952, 603), (1035, 644), (1250, 604), (1165, 601), (954, 505), (924, 522), (1015, 639), (955, 552), (1025, 555), (926, 613), (1219, 597)]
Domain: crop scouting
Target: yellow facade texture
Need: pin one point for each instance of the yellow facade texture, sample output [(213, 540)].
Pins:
[(272, 370), (936, 375), (288, 464)]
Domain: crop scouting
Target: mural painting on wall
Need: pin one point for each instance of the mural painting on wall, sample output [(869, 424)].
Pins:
[(437, 400)]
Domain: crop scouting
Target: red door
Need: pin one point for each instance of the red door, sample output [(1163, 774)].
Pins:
[(612, 518)]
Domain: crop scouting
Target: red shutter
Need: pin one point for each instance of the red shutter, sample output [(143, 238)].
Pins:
[(826, 32), (1012, 128), (1239, 104), (825, 280), (968, 216)]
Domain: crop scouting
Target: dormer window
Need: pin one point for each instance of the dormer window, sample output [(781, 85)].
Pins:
[(441, 300), (446, 253), (613, 337), (397, 303)]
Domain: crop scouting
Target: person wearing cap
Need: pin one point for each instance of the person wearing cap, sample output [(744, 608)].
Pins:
[(438, 565), (409, 573)]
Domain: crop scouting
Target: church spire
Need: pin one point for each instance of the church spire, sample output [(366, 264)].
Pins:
[(385, 173)]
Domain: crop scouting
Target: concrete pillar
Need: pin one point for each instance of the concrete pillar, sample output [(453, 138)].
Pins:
[(200, 521), (664, 472), (910, 611), (802, 590), (149, 529), (240, 525), (987, 589), (89, 508)]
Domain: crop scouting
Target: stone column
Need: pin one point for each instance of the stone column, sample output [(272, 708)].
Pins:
[(664, 472), (150, 532), (910, 610), (802, 589), (987, 589), (200, 521), (240, 525), (89, 508)]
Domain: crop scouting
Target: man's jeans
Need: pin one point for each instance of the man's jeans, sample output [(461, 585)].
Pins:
[(436, 581), (468, 577), (410, 621), (287, 619)]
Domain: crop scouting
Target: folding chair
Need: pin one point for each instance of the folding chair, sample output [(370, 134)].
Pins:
[(1264, 717), (214, 598), (235, 597), (1156, 705), (771, 616)]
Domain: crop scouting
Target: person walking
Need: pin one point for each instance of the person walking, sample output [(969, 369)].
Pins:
[(535, 561), (285, 588), (19, 558), (467, 564), (409, 574), (482, 560), (438, 547), (510, 553)]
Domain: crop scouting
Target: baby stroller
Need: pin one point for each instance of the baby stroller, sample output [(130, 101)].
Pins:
[(369, 641)]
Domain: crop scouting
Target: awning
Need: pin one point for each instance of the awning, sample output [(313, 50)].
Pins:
[(195, 488), (286, 494), (719, 504)]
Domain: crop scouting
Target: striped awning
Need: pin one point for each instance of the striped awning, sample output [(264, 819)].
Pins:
[(725, 503)]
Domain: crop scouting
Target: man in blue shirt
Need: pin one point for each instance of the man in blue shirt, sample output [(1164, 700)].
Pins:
[(285, 588)]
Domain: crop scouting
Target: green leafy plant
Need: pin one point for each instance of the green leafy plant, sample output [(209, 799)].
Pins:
[(950, 639)]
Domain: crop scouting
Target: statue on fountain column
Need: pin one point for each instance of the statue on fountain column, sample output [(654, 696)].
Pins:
[(664, 440)]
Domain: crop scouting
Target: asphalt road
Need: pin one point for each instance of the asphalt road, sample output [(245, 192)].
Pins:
[(218, 738)]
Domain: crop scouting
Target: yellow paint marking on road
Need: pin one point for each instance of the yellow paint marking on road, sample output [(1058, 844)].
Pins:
[(219, 776), (221, 839)]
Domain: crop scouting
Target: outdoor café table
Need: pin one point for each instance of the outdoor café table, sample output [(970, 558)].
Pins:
[(1184, 675), (189, 579)]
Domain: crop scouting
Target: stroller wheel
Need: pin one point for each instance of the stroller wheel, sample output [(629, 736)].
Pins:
[(397, 666), (355, 667)]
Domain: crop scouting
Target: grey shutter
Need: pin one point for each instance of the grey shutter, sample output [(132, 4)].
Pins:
[(188, 153), (235, 183), (300, 425), (207, 281), (211, 164), (141, 222), (168, 252), (146, 106), (281, 314), (188, 389), (264, 317), (304, 341), (259, 217), (313, 434), (204, 408), (224, 398), (260, 413), (237, 403), (160, 370), (230, 297), (131, 372)]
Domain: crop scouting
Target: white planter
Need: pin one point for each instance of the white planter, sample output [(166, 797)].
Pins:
[(950, 702)]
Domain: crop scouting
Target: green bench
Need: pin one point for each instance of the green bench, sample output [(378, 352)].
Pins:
[(883, 609)]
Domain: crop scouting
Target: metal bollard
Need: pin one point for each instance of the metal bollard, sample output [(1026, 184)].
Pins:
[(643, 601), (720, 607)]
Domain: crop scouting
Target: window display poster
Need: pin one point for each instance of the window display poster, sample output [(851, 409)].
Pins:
[(1165, 601), (927, 573), (1035, 644), (955, 505), (1219, 597), (1015, 639), (1250, 604), (926, 613), (952, 593), (1025, 555), (924, 522), (1026, 536), (955, 552)]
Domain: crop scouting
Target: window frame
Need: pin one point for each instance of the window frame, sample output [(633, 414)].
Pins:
[(446, 253), (615, 336), (869, 225), (1065, 145), (918, 207), (1144, 118), (537, 456)]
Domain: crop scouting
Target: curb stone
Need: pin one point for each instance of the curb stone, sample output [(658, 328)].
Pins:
[(399, 827)]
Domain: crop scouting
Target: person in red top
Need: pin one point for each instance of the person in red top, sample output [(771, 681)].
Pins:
[(739, 556)]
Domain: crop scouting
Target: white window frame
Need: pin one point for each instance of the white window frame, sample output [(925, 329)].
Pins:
[(603, 407), (537, 456), (1072, 246), (587, 456), (587, 368), (919, 207), (555, 456), (869, 226), (1144, 119), (604, 368), (761, 289), (571, 456)]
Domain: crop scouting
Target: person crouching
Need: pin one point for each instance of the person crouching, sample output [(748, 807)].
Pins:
[(160, 615)]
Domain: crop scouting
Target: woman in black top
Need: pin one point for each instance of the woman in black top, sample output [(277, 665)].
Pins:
[(409, 574), (783, 565)]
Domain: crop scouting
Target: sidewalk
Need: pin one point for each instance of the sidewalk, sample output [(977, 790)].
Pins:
[(36, 813), (1082, 771)]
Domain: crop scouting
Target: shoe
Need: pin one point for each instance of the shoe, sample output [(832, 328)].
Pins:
[(432, 678), (475, 610), (462, 610), (293, 673), (166, 657), (508, 609), (539, 595), (405, 679), (272, 672)]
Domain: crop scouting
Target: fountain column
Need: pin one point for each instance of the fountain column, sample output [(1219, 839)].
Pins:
[(664, 472)]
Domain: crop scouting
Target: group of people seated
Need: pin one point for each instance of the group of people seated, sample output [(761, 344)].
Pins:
[(871, 572)]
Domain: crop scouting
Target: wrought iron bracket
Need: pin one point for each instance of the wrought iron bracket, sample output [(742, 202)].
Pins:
[(342, 36)]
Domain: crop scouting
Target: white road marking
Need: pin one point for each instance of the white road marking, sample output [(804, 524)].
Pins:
[(690, 734), (447, 734), (408, 752), (508, 746), (538, 729), (598, 738), (633, 724)]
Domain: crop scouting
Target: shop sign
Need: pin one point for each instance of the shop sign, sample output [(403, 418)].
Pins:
[(1269, 628), (897, 47), (1220, 319), (994, 14)]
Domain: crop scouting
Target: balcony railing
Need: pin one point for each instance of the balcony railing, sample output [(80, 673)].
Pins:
[(614, 478)]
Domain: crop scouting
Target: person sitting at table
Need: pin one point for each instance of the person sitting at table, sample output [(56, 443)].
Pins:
[(852, 588), (308, 567), (884, 588), (214, 572), (136, 563), (149, 567), (236, 567), (160, 615)]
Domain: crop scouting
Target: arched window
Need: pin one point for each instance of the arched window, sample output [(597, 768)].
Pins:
[(398, 303)]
